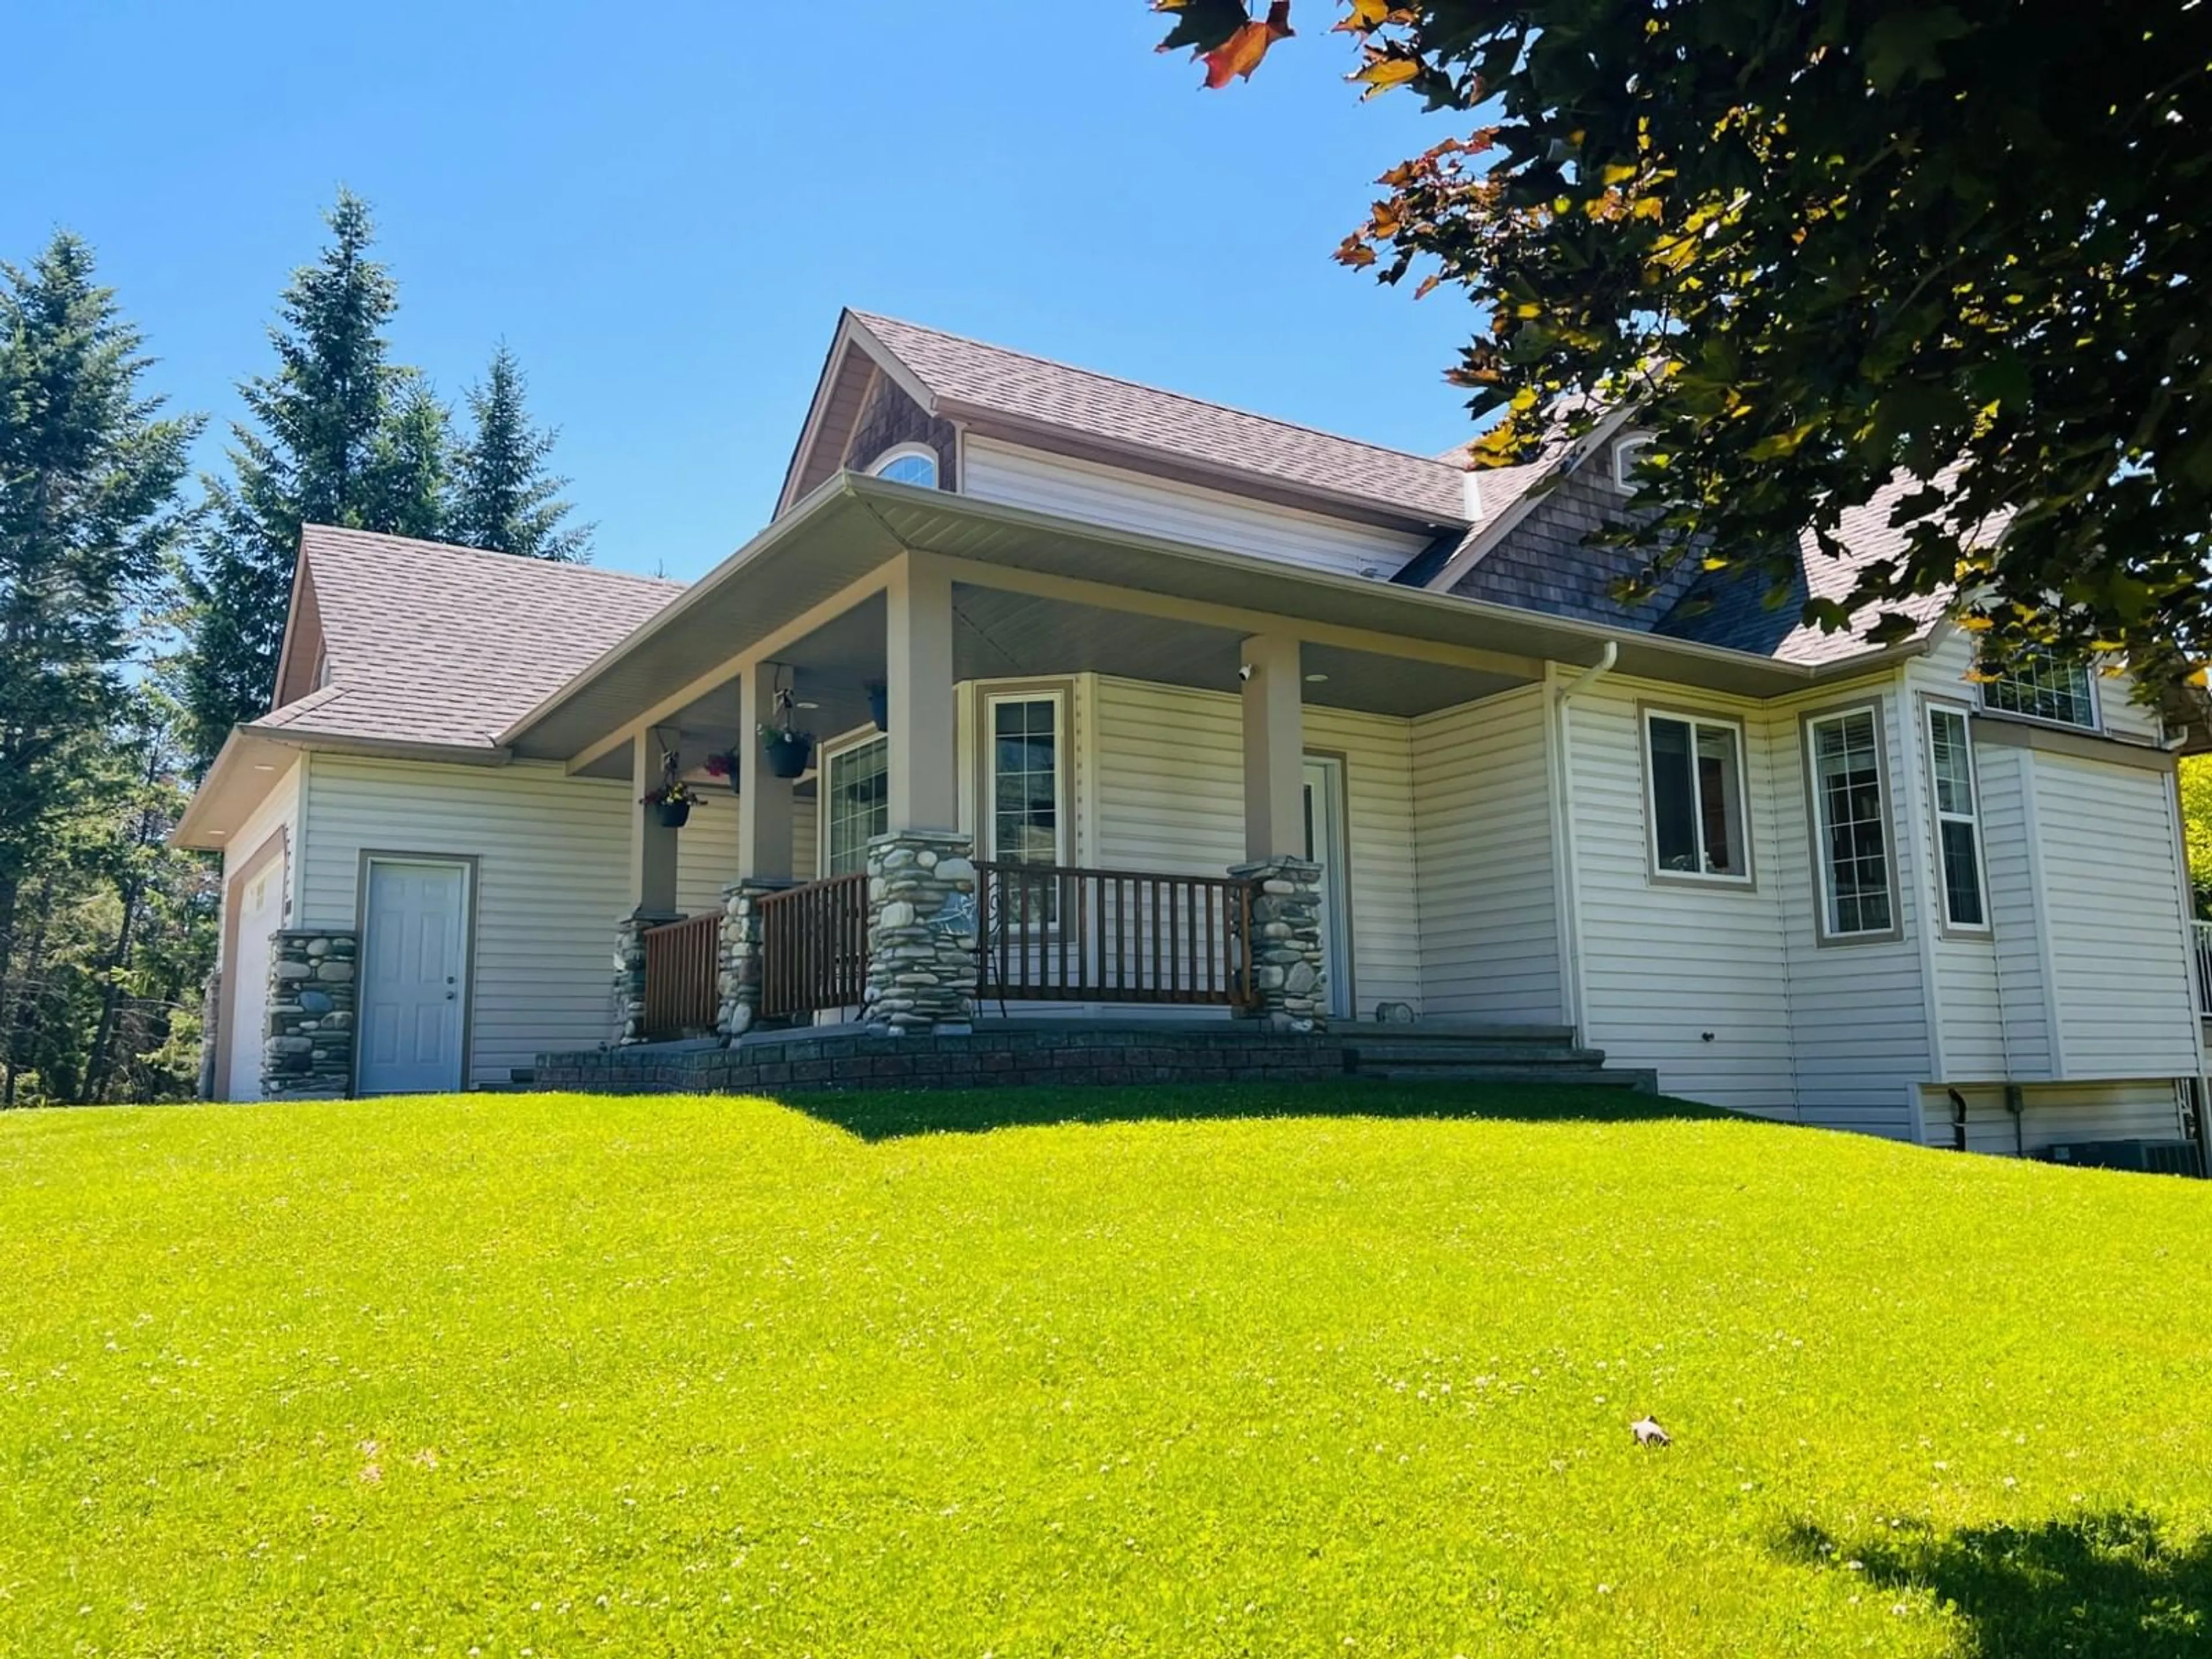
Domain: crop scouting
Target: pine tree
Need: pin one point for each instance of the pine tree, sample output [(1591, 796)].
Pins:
[(88, 513), (504, 498), (410, 464), (309, 457)]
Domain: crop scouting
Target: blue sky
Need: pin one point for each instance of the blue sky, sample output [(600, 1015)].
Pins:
[(661, 209)]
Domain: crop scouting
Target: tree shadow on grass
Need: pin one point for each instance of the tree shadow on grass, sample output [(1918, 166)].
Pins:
[(889, 1116), (2111, 1583)]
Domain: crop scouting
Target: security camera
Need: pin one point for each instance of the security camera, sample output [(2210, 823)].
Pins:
[(1243, 671)]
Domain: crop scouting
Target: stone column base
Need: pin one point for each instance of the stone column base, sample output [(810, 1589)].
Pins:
[(630, 973), (922, 933), (1290, 971), (313, 990), (740, 960)]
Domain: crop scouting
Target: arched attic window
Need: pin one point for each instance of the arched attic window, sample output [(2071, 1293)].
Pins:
[(907, 464)]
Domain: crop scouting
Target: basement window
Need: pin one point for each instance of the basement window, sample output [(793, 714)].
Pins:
[(1693, 772)]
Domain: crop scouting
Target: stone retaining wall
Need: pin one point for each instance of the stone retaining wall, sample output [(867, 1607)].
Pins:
[(313, 991), (853, 1060)]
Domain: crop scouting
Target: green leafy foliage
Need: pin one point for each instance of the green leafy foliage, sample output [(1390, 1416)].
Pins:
[(1825, 244), (2197, 827), (1260, 1371)]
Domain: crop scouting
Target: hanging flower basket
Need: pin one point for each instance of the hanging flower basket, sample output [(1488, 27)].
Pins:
[(724, 765), (788, 752), (879, 705), (672, 801)]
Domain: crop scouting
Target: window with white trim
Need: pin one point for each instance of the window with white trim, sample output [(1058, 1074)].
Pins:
[(2043, 687), (1958, 818), (1025, 824), (912, 464), (1850, 824), (856, 803), (1693, 772)]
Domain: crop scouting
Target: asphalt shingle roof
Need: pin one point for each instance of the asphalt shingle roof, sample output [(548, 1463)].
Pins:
[(1040, 391), (428, 643)]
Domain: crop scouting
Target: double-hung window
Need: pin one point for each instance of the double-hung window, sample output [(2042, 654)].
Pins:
[(1850, 825), (1957, 828), (2043, 687), (1693, 769), (856, 803), (1022, 808)]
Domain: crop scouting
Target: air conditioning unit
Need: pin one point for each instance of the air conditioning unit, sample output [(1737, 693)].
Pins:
[(2147, 1157)]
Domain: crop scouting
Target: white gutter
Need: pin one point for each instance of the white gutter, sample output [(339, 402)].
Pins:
[(1566, 884)]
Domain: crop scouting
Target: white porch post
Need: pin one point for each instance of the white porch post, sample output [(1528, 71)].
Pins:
[(765, 816), (921, 879), (652, 889), (1289, 984), (1274, 749)]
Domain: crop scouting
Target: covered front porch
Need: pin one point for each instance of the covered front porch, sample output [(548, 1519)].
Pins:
[(1046, 767)]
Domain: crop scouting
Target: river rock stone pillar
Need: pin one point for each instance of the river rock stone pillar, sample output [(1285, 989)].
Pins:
[(741, 960), (922, 933), (630, 972), (313, 991), (1290, 971)]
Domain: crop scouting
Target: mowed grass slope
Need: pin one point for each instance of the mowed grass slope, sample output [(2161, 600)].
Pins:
[(559, 1375)]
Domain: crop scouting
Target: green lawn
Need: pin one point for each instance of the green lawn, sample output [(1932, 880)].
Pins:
[(1206, 1374)]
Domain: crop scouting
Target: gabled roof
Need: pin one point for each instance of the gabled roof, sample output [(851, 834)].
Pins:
[(432, 645), (966, 380)]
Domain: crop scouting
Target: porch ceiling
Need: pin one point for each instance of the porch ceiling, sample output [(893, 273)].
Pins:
[(853, 526)]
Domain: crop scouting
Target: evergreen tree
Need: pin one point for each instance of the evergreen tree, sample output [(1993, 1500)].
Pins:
[(410, 463), (87, 516), (88, 513), (503, 497), (309, 458)]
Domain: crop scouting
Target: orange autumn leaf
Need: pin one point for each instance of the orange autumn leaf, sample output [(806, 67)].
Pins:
[(1365, 16), (1382, 73), (1240, 54)]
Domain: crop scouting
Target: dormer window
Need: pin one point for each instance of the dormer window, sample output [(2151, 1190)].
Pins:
[(1627, 452), (907, 464)]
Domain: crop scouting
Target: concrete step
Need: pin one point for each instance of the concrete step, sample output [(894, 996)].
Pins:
[(1361, 1055), (1576, 1076), (1429, 1031)]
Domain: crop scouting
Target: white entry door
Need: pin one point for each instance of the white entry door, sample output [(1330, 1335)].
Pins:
[(260, 902), (415, 976), (1325, 846)]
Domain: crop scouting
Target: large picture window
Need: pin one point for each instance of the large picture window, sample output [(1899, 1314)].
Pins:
[(1693, 766), (1958, 818), (856, 803), (2043, 688), (1850, 825)]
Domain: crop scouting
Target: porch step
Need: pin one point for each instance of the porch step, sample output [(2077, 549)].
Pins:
[(1363, 1056), (1588, 1077)]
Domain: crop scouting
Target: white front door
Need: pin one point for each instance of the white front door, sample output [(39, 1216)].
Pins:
[(260, 902), (1325, 846), (415, 976)]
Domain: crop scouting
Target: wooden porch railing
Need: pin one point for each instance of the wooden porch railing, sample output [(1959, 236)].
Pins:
[(1051, 932), (814, 946), (683, 970)]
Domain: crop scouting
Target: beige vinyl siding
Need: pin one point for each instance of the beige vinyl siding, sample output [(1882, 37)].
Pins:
[(707, 849), (2120, 945), (994, 471), (1488, 913), (1170, 770), (552, 874), (1858, 1010), (278, 810), (2145, 1109), (1663, 964), (2009, 844)]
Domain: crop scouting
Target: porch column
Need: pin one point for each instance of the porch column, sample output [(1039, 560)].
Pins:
[(764, 801), (1274, 749), (922, 877), (1289, 971), (652, 891)]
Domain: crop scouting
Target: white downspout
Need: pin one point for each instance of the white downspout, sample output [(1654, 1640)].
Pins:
[(1563, 795)]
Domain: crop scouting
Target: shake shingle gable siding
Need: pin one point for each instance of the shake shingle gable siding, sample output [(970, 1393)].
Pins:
[(968, 376), (1546, 562), (431, 644), (891, 418)]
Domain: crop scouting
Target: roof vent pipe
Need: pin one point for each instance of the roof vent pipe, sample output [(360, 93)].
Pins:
[(1470, 495)]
